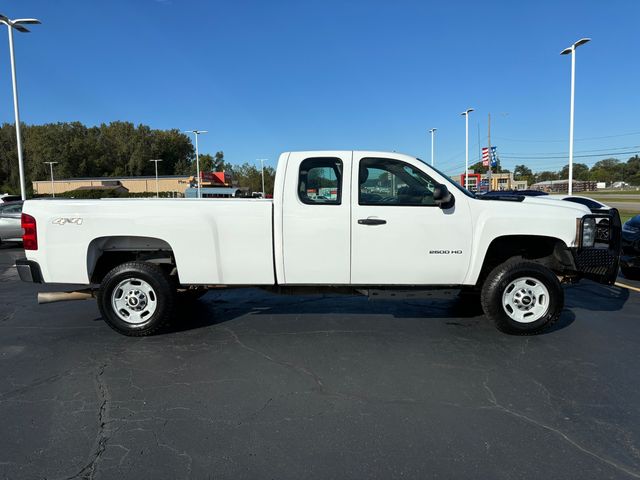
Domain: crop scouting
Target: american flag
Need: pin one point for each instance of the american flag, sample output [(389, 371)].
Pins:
[(485, 156)]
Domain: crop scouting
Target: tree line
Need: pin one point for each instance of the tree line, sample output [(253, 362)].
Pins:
[(120, 149), (609, 170), (116, 149)]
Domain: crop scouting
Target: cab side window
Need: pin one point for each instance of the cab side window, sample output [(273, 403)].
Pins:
[(393, 182), (320, 181)]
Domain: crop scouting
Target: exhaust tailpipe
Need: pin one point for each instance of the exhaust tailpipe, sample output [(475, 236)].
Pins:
[(52, 297)]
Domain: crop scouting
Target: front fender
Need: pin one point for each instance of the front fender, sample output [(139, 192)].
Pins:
[(495, 219)]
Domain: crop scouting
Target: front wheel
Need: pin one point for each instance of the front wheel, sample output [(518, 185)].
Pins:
[(522, 298), (136, 298)]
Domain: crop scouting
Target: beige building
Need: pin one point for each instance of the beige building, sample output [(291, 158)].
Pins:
[(499, 181), (166, 183)]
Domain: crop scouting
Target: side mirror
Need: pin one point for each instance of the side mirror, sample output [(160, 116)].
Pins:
[(443, 197)]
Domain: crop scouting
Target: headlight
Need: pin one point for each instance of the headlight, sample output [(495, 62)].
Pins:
[(588, 232)]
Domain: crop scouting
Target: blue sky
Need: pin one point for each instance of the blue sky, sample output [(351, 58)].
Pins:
[(270, 76)]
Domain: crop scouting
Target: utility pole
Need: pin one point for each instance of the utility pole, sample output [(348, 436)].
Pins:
[(53, 190), (479, 144), (490, 156)]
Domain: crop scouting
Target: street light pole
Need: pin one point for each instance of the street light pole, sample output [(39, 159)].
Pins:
[(157, 188), (53, 190), (572, 51), (466, 156), (432, 132), (18, 25), (262, 160), (196, 133)]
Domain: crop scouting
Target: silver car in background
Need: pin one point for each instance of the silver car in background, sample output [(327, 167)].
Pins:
[(10, 227)]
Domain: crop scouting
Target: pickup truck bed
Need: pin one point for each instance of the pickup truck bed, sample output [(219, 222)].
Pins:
[(216, 241)]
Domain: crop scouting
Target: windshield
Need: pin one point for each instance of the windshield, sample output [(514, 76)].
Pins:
[(452, 182)]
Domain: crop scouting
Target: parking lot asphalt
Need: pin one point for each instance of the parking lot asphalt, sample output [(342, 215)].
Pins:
[(253, 385)]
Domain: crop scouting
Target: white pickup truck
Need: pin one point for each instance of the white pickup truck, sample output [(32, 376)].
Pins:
[(344, 221)]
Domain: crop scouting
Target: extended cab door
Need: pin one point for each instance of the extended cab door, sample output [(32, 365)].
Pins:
[(399, 235), (316, 218)]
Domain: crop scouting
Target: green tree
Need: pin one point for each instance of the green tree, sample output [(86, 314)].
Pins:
[(212, 163), (580, 172), (608, 170), (522, 172), (479, 168), (114, 149), (545, 176), (631, 171), (250, 176)]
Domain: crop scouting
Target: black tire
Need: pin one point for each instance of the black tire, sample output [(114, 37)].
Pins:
[(630, 272), (501, 278), (162, 296)]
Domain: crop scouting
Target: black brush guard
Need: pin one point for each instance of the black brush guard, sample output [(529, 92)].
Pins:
[(601, 261)]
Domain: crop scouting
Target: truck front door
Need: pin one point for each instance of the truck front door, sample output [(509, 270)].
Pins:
[(399, 235)]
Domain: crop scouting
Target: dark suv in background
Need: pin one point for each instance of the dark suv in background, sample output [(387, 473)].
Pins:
[(630, 258)]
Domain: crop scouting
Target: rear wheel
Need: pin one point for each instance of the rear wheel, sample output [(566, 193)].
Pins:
[(522, 298), (136, 298)]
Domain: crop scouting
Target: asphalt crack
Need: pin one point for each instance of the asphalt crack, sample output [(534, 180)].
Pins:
[(298, 368), (494, 404), (89, 470), (321, 388)]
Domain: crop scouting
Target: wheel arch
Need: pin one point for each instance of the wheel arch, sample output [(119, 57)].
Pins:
[(546, 250), (105, 253)]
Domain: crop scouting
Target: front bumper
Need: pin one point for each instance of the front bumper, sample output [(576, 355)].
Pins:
[(601, 261), (28, 270)]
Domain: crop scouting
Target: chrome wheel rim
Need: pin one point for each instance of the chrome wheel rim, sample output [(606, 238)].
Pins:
[(134, 301), (525, 300)]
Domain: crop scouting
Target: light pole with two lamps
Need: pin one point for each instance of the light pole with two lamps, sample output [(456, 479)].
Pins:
[(572, 50), (53, 190), (157, 188), (196, 133), (18, 24)]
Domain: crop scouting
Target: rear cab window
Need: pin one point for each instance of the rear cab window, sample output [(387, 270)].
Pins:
[(320, 181)]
